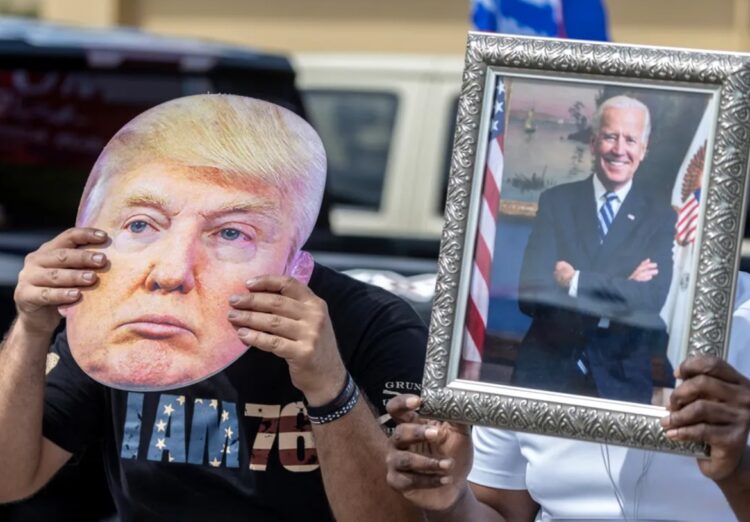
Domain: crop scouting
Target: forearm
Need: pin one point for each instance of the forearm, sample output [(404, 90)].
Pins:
[(617, 295), (468, 507), (622, 291), (351, 451), (22, 362), (736, 489)]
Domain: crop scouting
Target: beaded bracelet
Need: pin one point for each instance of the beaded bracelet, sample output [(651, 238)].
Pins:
[(338, 407)]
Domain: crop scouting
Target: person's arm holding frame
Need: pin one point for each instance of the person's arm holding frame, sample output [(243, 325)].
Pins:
[(51, 277), (712, 406), (282, 316), (435, 476)]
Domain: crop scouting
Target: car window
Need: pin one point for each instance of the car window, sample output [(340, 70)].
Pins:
[(53, 124), (356, 129), (448, 153)]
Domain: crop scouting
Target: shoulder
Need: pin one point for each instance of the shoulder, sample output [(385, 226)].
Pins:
[(656, 204), (498, 460), (351, 300), (567, 191), (491, 439), (335, 287), (742, 293), (739, 334), (381, 338)]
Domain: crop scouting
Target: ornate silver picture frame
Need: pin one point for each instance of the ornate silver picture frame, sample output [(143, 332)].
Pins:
[(593, 223)]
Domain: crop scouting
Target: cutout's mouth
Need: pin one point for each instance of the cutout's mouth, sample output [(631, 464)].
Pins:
[(156, 326)]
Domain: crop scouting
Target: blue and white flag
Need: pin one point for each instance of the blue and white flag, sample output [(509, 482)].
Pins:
[(579, 19)]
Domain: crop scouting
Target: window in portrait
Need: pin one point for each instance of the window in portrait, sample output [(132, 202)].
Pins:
[(587, 236), (197, 196)]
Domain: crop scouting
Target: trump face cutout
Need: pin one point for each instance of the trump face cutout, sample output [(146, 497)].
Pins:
[(189, 224)]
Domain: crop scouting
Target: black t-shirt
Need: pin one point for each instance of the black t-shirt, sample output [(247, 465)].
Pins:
[(237, 445)]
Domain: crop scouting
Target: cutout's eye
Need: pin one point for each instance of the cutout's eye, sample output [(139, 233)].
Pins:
[(137, 226), (230, 234)]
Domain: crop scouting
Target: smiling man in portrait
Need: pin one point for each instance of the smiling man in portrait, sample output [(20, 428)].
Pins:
[(597, 269)]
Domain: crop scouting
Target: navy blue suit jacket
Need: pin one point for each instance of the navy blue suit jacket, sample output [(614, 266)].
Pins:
[(564, 327)]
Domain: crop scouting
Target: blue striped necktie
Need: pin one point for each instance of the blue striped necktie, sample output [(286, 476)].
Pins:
[(606, 215)]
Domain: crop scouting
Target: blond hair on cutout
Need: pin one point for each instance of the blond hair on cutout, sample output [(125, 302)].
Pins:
[(235, 137)]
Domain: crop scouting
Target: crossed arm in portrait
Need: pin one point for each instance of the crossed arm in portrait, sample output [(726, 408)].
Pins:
[(625, 277)]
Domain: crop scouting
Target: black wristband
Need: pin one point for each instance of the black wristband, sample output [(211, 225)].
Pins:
[(338, 407)]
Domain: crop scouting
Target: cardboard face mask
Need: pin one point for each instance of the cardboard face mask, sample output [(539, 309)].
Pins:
[(198, 195)]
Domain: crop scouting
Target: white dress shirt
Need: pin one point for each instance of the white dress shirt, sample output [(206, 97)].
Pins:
[(599, 199)]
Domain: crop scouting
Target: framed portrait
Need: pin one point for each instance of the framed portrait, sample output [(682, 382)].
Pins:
[(593, 224)]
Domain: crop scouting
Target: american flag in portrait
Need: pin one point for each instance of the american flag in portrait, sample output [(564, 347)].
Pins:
[(687, 219), (686, 199), (479, 296)]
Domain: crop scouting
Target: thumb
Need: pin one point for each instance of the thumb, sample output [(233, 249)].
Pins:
[(441, 433)]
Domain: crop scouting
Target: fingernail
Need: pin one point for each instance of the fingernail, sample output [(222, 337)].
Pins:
[(412, 402), (445, 464), (251, 281), (74, 292), (233, 315), (446, 480), (88, 276), (430, 433), (664, 421), (671, 433), (100, 234), (234, 299), (98, 258), (242, 332)]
